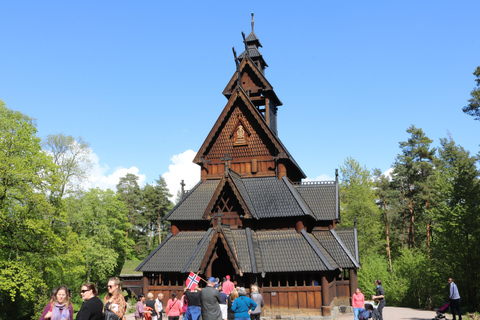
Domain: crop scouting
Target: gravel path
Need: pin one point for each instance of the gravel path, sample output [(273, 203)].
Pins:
[(389, 313), (395, 313)]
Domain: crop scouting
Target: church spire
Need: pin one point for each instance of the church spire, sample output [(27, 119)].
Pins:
[(251, 49), (252, 21)]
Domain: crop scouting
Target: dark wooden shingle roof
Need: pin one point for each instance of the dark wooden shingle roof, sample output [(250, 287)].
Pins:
[(255, 251)]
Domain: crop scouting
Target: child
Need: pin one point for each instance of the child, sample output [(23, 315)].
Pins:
[(366, 313)]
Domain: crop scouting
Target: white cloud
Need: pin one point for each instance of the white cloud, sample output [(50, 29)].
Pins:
[(322, 177), (389, 173), (182, 169), (100, 178)]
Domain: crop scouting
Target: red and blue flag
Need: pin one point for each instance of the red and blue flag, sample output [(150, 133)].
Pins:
[(192, 281)]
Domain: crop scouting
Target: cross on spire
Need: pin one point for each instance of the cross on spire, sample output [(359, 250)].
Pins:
[(183, 187), (219, 218), (252, 22), (227, 158)]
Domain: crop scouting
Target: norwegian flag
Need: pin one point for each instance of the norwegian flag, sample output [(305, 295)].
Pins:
[(192, 281)]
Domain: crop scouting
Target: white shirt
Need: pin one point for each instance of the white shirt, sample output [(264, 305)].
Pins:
[(159, 305), (454, 295)]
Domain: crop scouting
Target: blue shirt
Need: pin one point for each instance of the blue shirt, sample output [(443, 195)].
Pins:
[(241, 305)]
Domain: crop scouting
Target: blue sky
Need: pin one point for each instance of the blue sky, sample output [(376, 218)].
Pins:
[(141, 81)]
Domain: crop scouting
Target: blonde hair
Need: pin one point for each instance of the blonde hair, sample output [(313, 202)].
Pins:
[(53, 299), (150, 296), (117, 292), (233, 295)]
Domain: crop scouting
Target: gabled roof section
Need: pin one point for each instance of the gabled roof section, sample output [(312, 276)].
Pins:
[(228, 181), (288, 251), (249, 67), (173, 254), (193, 204), (349, 238), (252, 39), (239, 99), (336, 248), (224, 234), (272, 198), (320, 197), (256, 252)]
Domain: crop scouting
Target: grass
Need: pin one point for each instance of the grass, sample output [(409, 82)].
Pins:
[(129, 267)]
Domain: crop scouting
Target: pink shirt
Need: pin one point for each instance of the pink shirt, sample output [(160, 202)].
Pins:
[(174, 308), (358, 300), (228, 287)]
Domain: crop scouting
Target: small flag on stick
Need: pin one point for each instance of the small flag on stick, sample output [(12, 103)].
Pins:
[(192, 281)]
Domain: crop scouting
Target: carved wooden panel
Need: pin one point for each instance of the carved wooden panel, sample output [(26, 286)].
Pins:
[(257, 142)]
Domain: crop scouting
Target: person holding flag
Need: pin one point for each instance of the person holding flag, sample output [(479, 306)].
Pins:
[(193, 297)]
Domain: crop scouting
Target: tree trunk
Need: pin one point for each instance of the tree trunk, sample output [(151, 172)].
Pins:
[(388, 238)]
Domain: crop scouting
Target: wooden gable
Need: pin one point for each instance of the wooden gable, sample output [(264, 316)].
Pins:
[(242, 134), (228, 201), (253, 80)]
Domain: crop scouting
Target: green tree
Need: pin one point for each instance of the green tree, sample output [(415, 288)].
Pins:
[(457, 212), (28, 222), (131, 195), (412, 169), (357, 200), (156, 204), (473, 107), (387, 198), (99, 217), (72, 157)]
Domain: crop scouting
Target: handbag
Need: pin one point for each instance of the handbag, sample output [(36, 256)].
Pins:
[(110, 315)]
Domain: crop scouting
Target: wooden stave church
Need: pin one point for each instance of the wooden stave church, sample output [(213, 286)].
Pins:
[(251, 216)]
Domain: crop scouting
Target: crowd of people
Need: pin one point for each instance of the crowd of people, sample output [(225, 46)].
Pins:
[(217, 301)]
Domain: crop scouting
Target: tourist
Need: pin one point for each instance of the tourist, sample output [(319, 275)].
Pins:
[(223, 302), (194, 303), (151, 304), (174, 307), (366, 313), (159, 306), (140, 307), (59, 306), (210, 299), (114, 300), (257, 297), (358, 302), (454, 300), (243, 305), (228, 285), (380, 297), (184, 301), (231, 298), (92, 307)]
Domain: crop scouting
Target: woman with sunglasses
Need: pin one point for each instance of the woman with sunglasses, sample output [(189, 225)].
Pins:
[(92, 306), (115, 304), (59, 307)]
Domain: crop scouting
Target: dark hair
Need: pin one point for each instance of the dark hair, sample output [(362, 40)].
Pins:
[(174, 295), (378, 281), (141, 295), (90, 286)]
